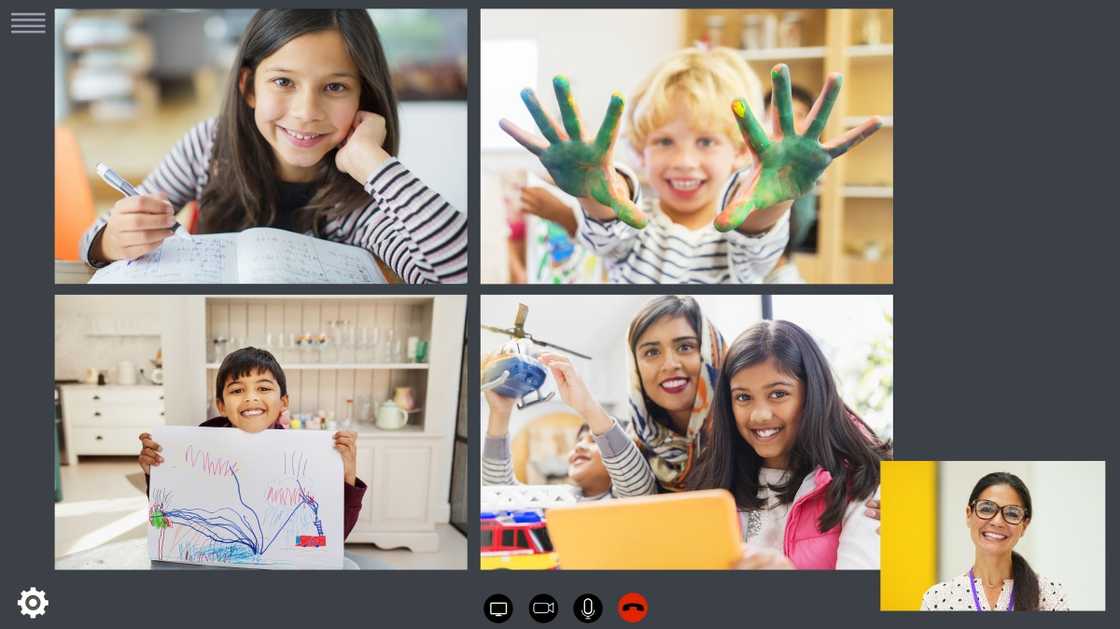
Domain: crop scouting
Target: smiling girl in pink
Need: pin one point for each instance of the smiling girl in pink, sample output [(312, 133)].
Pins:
[(305, 142), (797, 459)]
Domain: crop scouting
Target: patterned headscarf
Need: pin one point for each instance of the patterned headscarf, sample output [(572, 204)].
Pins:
[(672, 455)]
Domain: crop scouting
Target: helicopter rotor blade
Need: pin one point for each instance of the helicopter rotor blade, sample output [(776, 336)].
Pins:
[(554, 346), (507, 331)]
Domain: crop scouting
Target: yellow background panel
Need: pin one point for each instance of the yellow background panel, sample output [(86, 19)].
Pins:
[(909, 533)]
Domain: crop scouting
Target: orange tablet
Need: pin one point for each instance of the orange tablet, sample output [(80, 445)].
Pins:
[(694, 530)]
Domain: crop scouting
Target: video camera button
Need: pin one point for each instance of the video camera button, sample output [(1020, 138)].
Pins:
[(542, 608)]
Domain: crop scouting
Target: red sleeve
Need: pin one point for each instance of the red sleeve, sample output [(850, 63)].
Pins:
[(352, 505)]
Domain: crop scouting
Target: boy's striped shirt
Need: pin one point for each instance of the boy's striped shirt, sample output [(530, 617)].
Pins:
[(405, 224), (666, 253)]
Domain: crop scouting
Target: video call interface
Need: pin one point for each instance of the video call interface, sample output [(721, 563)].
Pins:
[(572, 315)]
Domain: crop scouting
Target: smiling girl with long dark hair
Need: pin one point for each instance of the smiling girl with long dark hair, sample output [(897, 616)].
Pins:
[(799, 462), (306, 142)]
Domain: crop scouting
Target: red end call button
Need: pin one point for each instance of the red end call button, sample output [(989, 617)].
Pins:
[(632, 607)]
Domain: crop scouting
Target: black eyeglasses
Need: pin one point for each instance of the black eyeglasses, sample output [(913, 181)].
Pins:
[(986, 510)]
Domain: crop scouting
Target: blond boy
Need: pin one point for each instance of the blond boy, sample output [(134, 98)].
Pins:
[(721, 185)]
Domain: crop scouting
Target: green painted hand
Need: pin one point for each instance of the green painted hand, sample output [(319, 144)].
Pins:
[(580, 168), (787, 164)]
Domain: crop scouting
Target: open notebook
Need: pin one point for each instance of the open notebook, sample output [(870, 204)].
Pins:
[(261, 255)]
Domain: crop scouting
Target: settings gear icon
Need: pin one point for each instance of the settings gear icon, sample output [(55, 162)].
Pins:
[(33, 603)]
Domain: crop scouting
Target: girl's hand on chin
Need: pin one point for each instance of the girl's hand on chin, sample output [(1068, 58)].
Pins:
[(360, 154)]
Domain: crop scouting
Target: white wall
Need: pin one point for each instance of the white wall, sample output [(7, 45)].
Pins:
[(77, 317), (599, 50), (1066, 537), (176, 324), (434, 146), (184, 351)]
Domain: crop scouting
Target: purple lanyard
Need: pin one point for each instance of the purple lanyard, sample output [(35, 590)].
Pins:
[(976, 599)]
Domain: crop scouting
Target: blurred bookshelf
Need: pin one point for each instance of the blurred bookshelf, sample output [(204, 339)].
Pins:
[(854, 232)]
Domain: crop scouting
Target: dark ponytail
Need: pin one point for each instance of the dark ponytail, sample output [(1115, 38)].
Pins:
[(1026, 584), (1026, 581)]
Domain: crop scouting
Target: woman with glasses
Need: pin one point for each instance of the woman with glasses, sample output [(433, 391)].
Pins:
[(1000, 579)]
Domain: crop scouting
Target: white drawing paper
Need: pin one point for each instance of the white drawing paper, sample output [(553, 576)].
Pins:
[(222, 496)]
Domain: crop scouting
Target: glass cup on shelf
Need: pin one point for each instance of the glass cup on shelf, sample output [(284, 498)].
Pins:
[(361, 342), (319, 344), (350, 341), (328, 347), (287, 347), (363, 409), (374, 348), (388, 344), (299, 348)]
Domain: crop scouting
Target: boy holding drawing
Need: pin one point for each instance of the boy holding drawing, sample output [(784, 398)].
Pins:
[(252, 393)]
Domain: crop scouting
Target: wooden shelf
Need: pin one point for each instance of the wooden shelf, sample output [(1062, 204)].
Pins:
[(869, 192), (816, 52), (779, 54), (872, 50), (862, 271), (336, 366), (403, 300), (369, 429), (810, 266), (856, 198), (855, 121)]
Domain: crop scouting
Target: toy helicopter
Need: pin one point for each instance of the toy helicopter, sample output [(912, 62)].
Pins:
[(514, 372)]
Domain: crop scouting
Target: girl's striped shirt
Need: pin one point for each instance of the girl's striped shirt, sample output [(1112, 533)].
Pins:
[(405, 223), (666, 253)]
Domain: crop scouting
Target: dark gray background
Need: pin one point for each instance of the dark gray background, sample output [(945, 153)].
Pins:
[(1005, 285)]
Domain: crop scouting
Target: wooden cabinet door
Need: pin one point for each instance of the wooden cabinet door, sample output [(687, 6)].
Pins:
[(401, 486)]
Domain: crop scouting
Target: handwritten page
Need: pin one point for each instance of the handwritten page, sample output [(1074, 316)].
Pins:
[(207, 259), (226, 497), (261, 255), (272, 255)]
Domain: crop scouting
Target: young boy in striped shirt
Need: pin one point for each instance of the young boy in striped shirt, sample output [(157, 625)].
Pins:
[(722, 187)]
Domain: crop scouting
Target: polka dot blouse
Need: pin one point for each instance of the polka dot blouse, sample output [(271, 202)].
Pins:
[(956, 595)]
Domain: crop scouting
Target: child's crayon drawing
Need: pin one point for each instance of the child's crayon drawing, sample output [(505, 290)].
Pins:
[(266, 500)]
